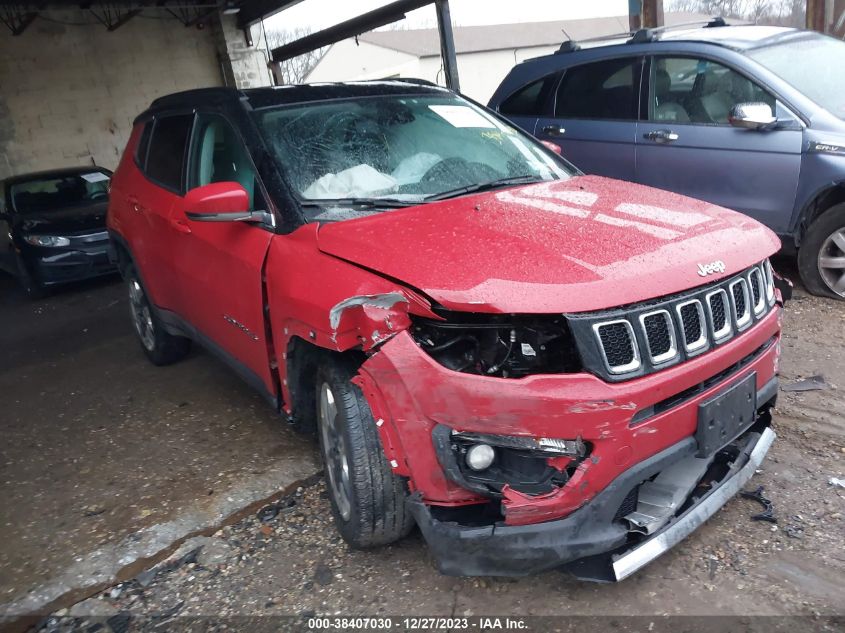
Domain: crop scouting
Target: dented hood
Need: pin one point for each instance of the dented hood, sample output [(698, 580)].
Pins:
[(583, 244)]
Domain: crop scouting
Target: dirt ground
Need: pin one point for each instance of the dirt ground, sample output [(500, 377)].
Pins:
[(92, 427)]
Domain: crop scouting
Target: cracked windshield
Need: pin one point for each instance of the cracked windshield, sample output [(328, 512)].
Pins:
[(358, 156)]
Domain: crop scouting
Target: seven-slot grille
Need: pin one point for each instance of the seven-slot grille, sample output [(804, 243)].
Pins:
[(645, 338)]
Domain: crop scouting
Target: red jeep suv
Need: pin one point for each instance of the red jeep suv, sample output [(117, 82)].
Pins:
[(539, 368)]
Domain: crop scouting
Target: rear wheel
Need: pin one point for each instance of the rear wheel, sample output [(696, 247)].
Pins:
[(160, 347), (368, 500), (821, 259)]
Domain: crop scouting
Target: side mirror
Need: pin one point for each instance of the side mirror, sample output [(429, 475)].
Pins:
[(752, 116), (553, 146), (221, 202)]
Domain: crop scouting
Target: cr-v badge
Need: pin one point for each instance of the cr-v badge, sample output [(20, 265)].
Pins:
[(713, 267)]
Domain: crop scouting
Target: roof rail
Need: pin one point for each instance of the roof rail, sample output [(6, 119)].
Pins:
[(574, 45), (409, 80), (643, 36)]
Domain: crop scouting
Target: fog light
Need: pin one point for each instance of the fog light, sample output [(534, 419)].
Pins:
[(480, 456)]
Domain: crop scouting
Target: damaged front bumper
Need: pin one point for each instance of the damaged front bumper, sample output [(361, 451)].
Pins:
[(591, 542)]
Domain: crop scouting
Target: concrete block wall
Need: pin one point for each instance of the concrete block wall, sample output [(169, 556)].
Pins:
[(243, 66), (69, 93)]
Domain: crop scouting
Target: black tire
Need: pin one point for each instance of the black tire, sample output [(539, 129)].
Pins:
[(817, 239), (160, 347), (29, 284), (377, 512)]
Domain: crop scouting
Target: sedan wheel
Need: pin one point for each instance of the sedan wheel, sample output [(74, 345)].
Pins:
[(832, 262)]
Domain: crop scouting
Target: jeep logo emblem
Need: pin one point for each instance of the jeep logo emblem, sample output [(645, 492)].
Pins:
[(713, 267)]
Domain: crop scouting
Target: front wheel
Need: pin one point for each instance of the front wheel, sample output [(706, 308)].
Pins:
[(368, 500), (160, 347), (30, 285), (821, 258)]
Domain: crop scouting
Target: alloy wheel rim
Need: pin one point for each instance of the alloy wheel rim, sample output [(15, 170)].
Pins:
[(335, 452), (142, 318), (832, 262)]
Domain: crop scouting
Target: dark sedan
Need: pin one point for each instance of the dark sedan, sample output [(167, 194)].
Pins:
[(53, 226)]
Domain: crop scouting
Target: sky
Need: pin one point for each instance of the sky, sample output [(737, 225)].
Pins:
[(317, 14)]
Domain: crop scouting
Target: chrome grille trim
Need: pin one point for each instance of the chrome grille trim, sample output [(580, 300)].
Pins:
[(726, 330), (700, 344), (755, 278), (627, 367), (742, 320), (672, 352), (702, 306), (770, 282)]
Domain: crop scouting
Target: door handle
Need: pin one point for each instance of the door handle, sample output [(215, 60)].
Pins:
[(181, 226), (554, 130), (662, 136)]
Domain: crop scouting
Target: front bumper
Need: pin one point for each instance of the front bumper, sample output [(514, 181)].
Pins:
[(589, 541), (57, 266)]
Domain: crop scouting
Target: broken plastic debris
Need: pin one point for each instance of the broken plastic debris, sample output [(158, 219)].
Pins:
[(768, 514), (834, 481), (813, 383)]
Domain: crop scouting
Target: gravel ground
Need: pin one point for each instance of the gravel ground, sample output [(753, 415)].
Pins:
[(295, 564)]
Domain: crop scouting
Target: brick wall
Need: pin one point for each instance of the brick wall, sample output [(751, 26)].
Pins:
[(68, 94)]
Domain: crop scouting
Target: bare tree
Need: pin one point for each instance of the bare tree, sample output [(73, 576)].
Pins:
[(295, 70), (777, 12)]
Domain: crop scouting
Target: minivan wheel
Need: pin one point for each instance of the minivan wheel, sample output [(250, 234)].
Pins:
[(160, 347), (368, 500), (821, 258)]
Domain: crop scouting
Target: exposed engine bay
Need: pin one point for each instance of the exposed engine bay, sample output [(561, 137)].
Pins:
[(506, 346)]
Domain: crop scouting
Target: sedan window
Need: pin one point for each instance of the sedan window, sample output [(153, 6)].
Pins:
[(60, 192)]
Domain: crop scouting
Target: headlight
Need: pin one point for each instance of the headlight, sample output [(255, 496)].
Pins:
[(46, 240), (507, 346)]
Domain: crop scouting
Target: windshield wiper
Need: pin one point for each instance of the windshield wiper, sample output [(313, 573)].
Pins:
[(484, 186), (361, 203)]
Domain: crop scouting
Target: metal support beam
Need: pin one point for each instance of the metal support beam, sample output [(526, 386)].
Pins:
[(645, 14), (253, 11), (816, 17), (447, 45), (17, 18), (387, 14)]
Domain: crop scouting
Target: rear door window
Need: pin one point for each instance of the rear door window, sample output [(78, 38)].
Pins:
[(608, 89), (166, 155), (528, 100), (143, 144)]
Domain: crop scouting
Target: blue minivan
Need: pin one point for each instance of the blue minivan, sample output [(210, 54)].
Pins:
[(747, 117)]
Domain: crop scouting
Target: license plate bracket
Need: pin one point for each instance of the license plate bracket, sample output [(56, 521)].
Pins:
[(726, 415)]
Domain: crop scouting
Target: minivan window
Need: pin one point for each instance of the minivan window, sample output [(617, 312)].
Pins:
[(813, 64), (527, 101), (167, 149), (699, 91), (607, 89)]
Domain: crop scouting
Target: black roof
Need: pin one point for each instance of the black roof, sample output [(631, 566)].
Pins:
[(257, 98), (55, 173)]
